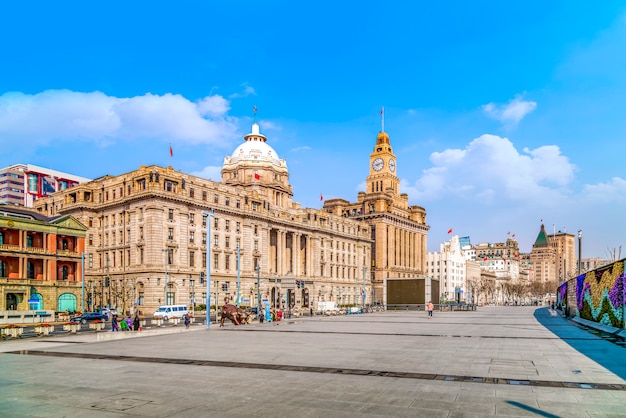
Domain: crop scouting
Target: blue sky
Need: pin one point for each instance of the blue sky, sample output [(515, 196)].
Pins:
[(501, 114)]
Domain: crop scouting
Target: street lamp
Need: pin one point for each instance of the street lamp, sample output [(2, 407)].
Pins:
[(208, 269), (258, 287), (165, 261), (580, 249), (238, 276)]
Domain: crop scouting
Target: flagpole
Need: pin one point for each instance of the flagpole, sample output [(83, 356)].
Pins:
[(382, 114)]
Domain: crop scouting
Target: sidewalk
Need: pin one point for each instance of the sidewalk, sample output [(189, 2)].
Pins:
[(497, 361)]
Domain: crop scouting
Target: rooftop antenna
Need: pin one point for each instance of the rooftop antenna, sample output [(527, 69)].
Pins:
[(254, 108), (382, 116)]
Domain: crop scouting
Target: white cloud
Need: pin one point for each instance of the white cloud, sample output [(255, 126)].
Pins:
[(209, 172), (68, 115), (247, 91), (511, 113), (491, 168)]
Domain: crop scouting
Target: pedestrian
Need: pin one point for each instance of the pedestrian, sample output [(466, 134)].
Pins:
[(261, 314), (136, 323), (123, 325), (429, 308), (114, 324), (187, 320), (311, 311), (129, 323)]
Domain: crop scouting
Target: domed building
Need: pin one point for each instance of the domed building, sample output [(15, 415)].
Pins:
[(147, 239)]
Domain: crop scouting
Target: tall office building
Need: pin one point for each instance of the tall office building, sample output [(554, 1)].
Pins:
[(22, 184)]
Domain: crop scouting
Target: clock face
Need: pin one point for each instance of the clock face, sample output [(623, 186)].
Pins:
[(378, 164), (392, 165)]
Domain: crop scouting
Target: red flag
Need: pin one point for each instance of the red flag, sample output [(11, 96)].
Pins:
[(382, 110), (256, 176), (485, 259), (171, 152), (508, 233), (450, 231), (321, 197)]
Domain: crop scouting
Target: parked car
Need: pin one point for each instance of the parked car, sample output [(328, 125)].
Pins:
[(89, 317)]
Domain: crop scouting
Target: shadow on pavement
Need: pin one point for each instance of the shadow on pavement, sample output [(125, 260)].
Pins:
[(602, 351), (535, 411)]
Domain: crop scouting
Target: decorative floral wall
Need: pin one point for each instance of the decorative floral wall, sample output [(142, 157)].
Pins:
[(600, 294)]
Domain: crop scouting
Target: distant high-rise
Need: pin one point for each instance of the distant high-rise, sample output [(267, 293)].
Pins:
[(553, 256), (22, 184)]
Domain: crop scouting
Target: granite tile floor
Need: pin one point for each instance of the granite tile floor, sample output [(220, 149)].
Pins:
[(496, 361)]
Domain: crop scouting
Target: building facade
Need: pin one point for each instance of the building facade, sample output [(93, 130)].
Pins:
[(149, 231), (553, 257), (22, 184), (40, 261), (398, 230), (449, 267)]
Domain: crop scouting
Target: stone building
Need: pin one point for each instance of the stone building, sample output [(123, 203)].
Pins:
[(553, 257), (399, 231), (147, 237), (40, 261)]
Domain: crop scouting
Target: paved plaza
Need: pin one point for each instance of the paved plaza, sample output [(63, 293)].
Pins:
[(502, 361)]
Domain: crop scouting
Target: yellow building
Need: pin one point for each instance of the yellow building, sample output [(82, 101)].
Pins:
[(147, 237), (398, 230), (40, 261)]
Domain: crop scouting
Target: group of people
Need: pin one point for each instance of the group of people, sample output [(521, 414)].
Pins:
[(125, 324)]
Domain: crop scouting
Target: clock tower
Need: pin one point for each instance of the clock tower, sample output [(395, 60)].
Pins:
[(383, 177), (398, 230)]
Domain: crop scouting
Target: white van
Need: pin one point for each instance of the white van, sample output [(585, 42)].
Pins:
[(170, 311)]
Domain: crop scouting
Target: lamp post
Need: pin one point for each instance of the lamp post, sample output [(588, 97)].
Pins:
[(364, 292), (208, 269), (238, 276), (580, 249), (258, 288), (82, 279), (165, 261)]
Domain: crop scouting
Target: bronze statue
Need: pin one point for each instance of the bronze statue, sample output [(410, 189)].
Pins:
[(237, 315)]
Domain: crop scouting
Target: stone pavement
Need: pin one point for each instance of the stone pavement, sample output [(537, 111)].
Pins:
[(497, 361)]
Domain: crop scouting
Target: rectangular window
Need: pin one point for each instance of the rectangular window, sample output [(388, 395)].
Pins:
[(227, 201), (225, 287), (170, 214), (238, 242), (191, 236), (216, 223), (238, 227), (227, 225), (203, 260), (170, 256), (227, 262), (141, 256), (90, 222), (192, 258), (215, 241), (238, 204), (204, 238), (204, 195), (191, 192), (215, 261), (141, 232), (90, 239), (227, 242), (192, 218), (170, 233), (216, 198), (256, 247)]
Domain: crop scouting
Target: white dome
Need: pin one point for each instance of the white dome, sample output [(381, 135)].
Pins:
[(255, 149)]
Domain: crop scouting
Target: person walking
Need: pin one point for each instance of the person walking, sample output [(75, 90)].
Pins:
[(430, 307), (187, 320), (136, 323), (114, 325)]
